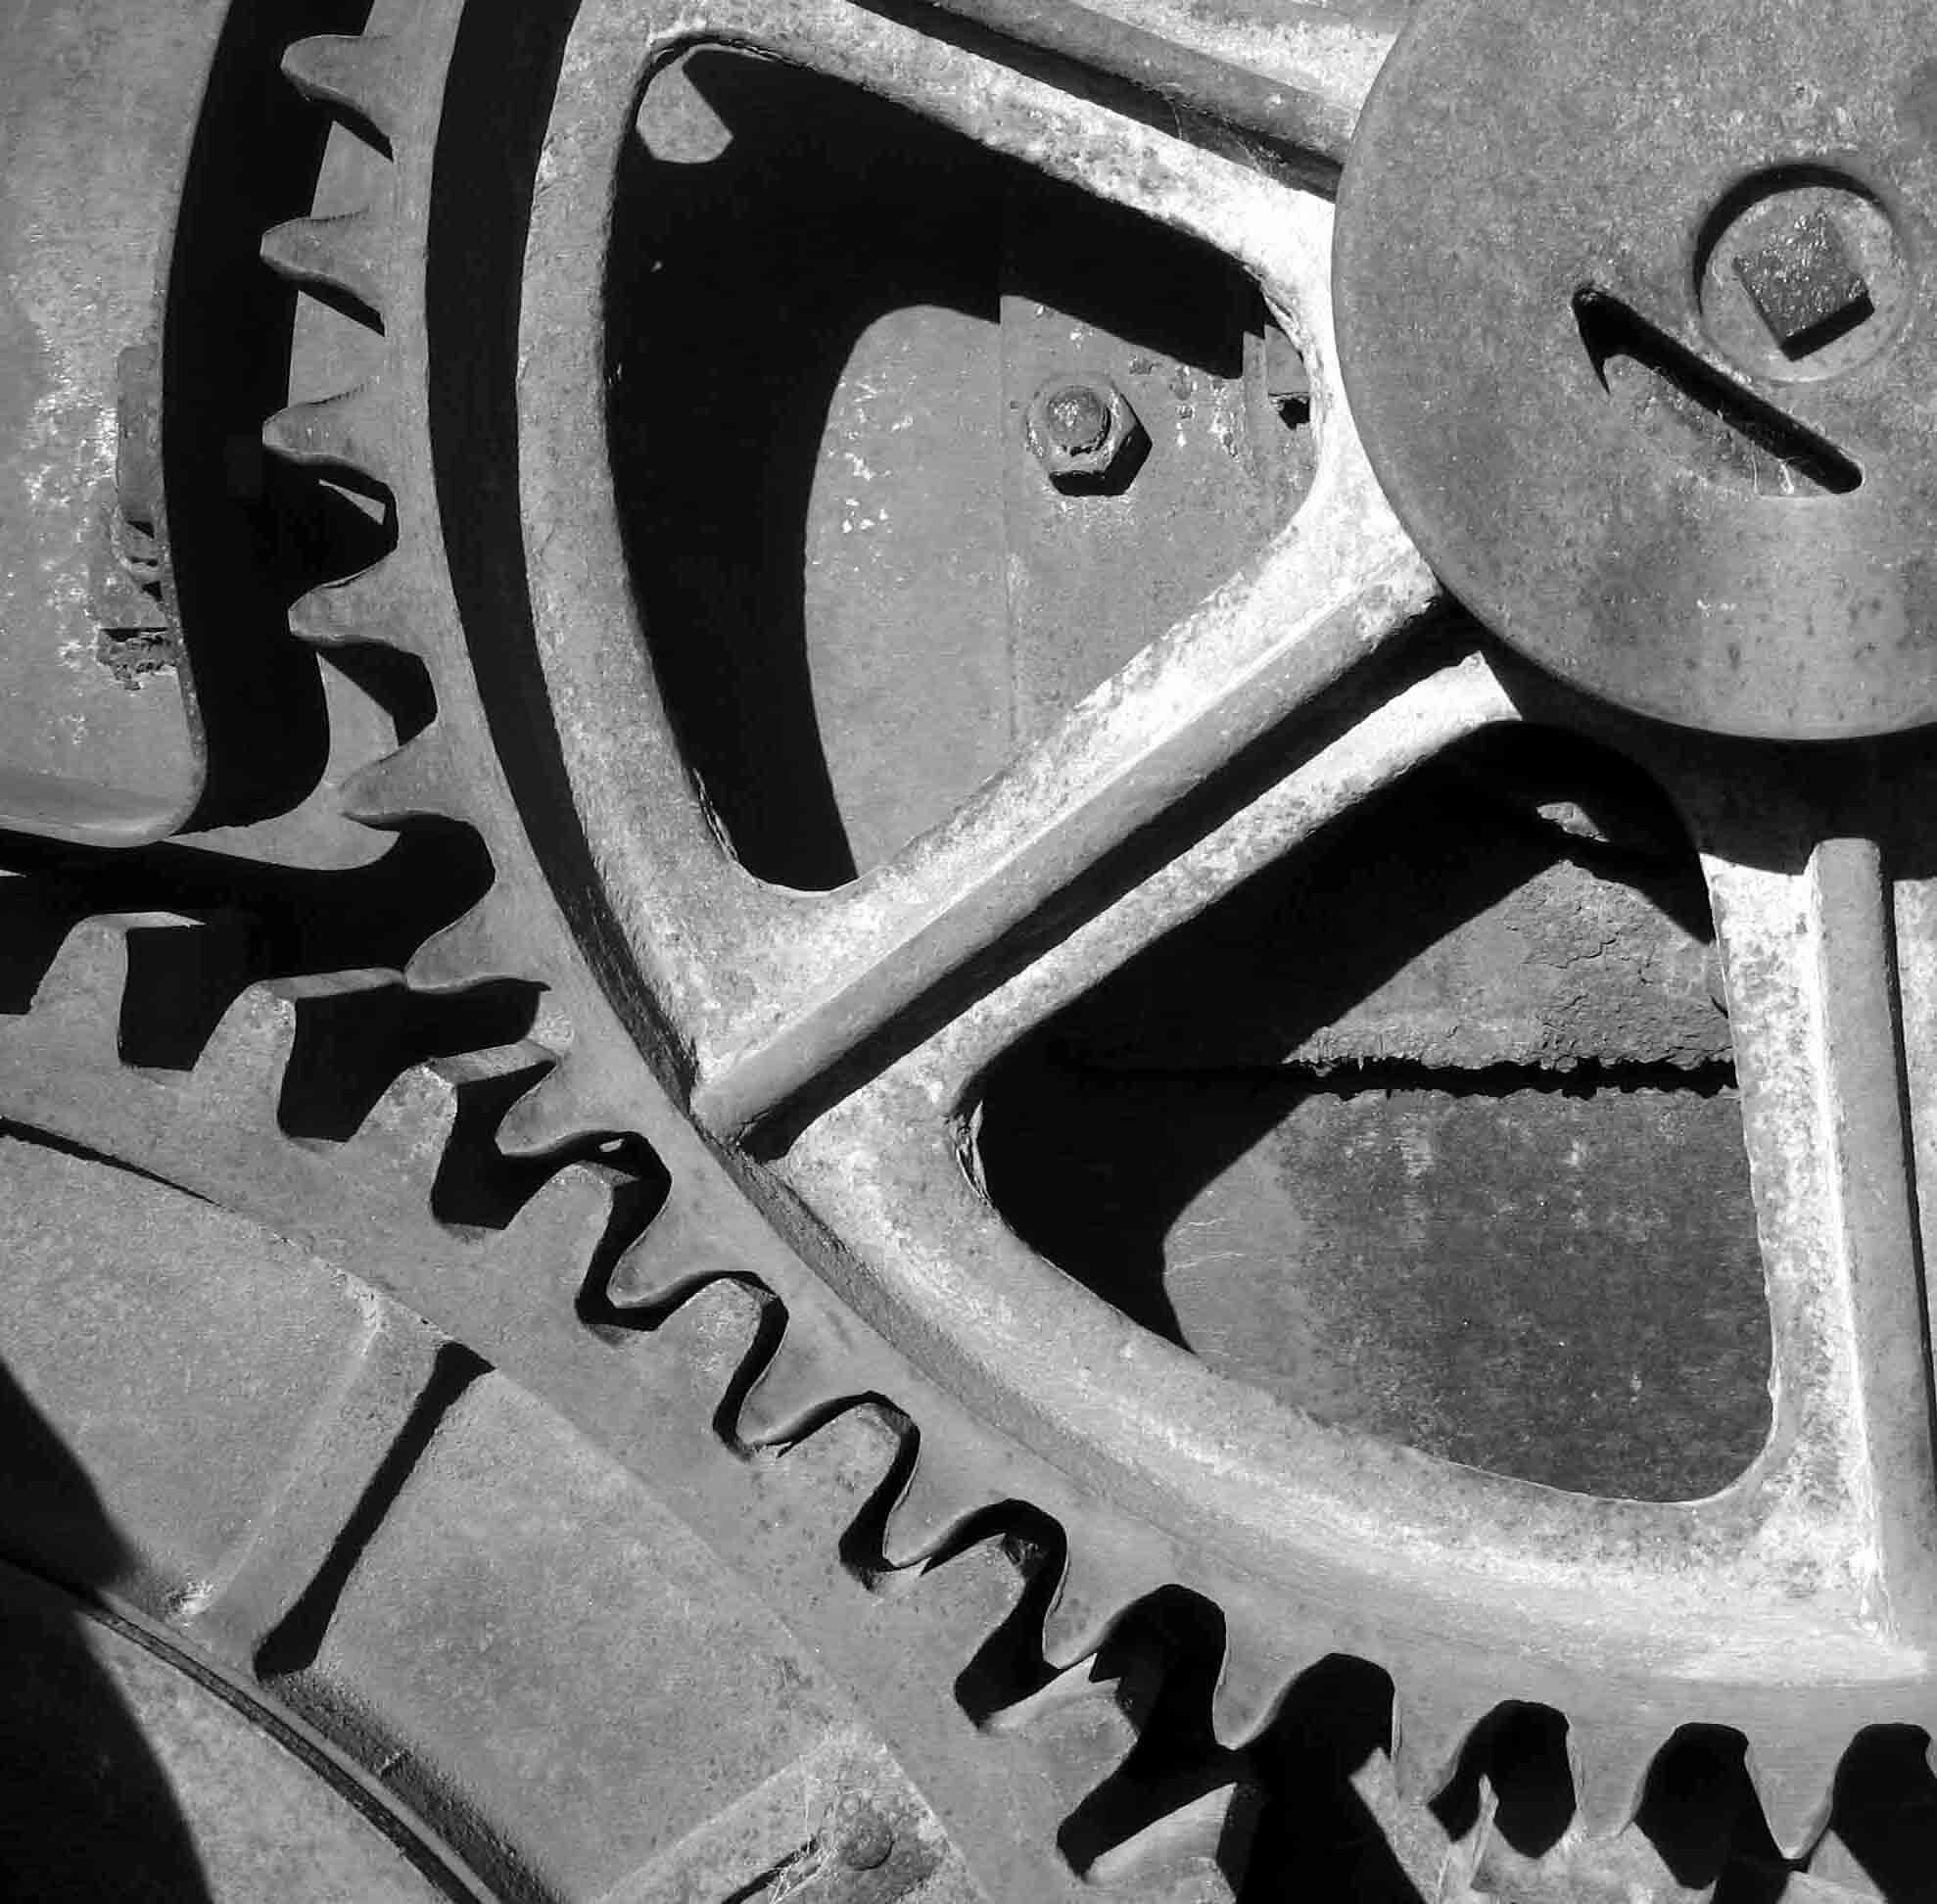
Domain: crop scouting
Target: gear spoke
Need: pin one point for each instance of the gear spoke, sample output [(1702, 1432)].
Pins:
[(1391, 738), (1298, 79), (775, 992), (1810, 966), (1326, 596)]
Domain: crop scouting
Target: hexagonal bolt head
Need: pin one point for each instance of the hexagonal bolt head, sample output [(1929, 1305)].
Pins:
[(1085, 434)]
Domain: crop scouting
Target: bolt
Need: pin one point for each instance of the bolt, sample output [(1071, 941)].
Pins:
[(1805, 285), (1076, 418), (1085, 434)]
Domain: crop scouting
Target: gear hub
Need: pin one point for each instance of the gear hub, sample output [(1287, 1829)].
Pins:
[(1632, 343)]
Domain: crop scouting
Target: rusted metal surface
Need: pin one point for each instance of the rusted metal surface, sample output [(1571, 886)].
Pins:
[(1502, 246), (791, 1093), (97, 109), (1187, 64), (1086, 435)]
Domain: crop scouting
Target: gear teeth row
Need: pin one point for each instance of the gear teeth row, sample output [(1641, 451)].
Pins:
[(347, 434), (805, 1392), (361, 73), (347, 253)]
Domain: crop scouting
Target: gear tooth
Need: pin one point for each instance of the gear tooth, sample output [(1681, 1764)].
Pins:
[(1204, 1841), (360, 71), (1093, 1595), (360, 609), (940, 1497), (800, 1388), (348, 252), (478, 945), (679, 1252), (555, 1113), (1430, 1727), (348, 432), (1796, 1782), (554, 1236), (1609, 1766), (88, 970), (411, 784), (412, 1121), (1256, 1672), (1094, 1697), (247, 1053)]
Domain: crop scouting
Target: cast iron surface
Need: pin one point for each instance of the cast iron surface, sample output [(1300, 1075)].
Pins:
[(586, 1400), (1683, 463)]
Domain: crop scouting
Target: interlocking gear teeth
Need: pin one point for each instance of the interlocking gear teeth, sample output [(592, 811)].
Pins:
[(361, 609), (349, 434), (1796, 1783), (347, 253), (363, 74), (1610, 1763)]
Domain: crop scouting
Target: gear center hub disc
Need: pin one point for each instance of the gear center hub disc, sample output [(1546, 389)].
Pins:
[(1633, 312)]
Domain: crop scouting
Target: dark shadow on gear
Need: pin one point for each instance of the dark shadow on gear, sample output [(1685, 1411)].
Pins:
[(1163, 1659), (1699, 1810), (1519, 1751), (88, 1812), (1885, 1812), (1315, 1834), (1009, 1666), (226, 345), (1412, 1132), (301, 920)]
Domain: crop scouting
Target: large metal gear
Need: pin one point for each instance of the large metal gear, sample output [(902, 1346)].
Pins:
[(695, 1168)]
